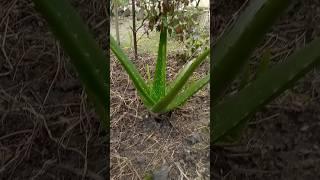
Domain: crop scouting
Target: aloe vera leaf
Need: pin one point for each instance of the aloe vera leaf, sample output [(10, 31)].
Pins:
[(245, 76), (235, 133), (233, 110), (159, 84), (133, 73), (234, 48), (180, 81), (84, 52), (187, 93), (264, 63)]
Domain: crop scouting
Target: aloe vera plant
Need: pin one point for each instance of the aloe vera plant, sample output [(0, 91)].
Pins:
[(88, 59), (230, 114), (92, 66), (160, 96)]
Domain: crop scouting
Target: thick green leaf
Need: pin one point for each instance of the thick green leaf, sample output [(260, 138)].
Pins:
[(236, 109), (187, 93), (85, 55), (159, 85), (264, 62), (148, 74), (236, 45), (180, 81), (132, 71), (263, 66), (245, 77)]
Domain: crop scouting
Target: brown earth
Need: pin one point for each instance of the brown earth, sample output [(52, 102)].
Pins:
[(48, 129), (283, 139)]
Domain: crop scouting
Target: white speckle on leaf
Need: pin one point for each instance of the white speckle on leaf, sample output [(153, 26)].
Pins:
[(291, 77), (274, 90), (245, 115), (261, 101), (234, 124), (305, 65)]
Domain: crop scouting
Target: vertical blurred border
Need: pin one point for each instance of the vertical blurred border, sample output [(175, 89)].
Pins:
[(107, 48), (211, 84)]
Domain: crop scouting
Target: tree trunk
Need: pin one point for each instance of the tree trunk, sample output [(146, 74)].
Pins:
[(117, 22), (198, 3), (134, 32)]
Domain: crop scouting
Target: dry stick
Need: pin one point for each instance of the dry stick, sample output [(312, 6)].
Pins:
[(181, 171), (85, 169), (44, 168), (4, 167), (134, 169), (233, 20), (87, 137), (41, 117), (65, 133), (27, 143), (55, 76), (8, 12), (4, 51), (99, 24), (15, 133), (9, 109), (264, 119), (141, 25), (77, 171)]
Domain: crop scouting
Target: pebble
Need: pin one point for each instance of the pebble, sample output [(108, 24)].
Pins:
[(162, 173), (193, 138)]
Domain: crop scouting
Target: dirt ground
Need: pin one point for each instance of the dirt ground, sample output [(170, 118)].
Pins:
[(48, 129), (283, 140), (141, 145)]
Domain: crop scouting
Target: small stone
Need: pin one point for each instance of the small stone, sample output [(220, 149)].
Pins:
[(141, 159), (193, 138), (304, 128), (162, 173)]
